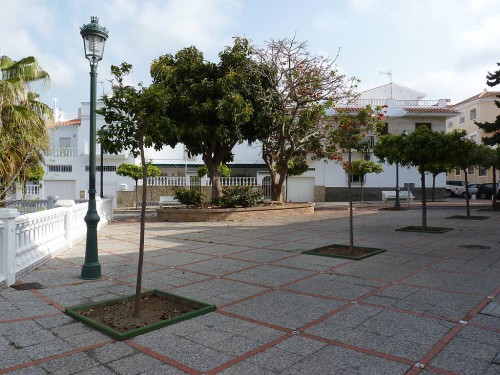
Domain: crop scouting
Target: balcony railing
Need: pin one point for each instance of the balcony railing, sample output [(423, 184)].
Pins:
[(66, 152), (397, 103)]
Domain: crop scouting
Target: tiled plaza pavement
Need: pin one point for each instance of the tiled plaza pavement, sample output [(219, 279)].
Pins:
[(428, 305)]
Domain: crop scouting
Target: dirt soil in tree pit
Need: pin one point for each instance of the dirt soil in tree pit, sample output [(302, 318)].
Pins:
[(153, 309)]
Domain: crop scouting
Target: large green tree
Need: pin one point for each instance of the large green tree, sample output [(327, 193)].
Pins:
[(136, 119), (215, 106), (492, 79), (134, 171), (23, 132), (299, 88), (420, 149)]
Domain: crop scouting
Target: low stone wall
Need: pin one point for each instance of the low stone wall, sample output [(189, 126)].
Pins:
[(126, 198), (340, 194), (176, 214)]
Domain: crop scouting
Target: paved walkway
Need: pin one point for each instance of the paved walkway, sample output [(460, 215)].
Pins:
[(425, 306)]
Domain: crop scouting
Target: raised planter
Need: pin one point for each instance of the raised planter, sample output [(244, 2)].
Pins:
[(82, 313), (465, 217), (234, 214)]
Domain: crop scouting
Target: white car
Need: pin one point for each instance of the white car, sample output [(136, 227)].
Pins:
[(461, 190)]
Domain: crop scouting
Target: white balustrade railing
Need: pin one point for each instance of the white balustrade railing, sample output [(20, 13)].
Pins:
[(65, 152), (237, 181), (182, 181), (27, 241), (32, 189)]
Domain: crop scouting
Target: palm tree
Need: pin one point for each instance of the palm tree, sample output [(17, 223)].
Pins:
[(23, 131)]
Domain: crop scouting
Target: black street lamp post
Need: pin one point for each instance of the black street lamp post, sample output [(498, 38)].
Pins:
[(397, 204), (94, 37)]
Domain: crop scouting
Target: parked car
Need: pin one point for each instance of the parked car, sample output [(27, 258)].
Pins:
[(472, 190), (452, 186), (485, 191)]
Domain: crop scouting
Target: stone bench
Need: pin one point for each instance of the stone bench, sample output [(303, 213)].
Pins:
[(168, 200), (403, 194)]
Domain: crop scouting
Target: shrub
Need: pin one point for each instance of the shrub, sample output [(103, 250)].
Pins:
[(239, 196), (189, 197)]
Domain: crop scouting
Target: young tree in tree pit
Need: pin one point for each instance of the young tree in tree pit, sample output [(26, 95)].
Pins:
[(361, 168), (134, 171), (135, 119), (435, 169), (347, 132), (300, 88), (420, 149), (465, 153), (492, 79), (215, 106)]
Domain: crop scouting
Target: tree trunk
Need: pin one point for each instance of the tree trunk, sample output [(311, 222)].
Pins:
[(494, 204), (433, 185), (467, 203), (140, 263), (349, 193), (424, 200), (136, 204), (214, 175), (362, 178)]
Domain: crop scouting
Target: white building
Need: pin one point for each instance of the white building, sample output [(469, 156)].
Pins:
[(67, 163)]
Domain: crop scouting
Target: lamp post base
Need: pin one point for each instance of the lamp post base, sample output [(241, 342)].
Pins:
[(91, 271)]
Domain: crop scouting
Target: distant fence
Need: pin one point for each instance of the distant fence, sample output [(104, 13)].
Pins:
[(204, 181), (29, 240)]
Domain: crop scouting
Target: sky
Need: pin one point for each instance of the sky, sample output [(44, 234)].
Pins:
[(443, 48)]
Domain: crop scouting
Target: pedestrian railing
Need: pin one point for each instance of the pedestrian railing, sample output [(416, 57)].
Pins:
[(28, 240)]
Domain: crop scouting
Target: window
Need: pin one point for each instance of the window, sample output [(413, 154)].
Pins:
[(450, 124), (473, 138), (60, 168), (64, 142), (472, 113), (483, 171), (470, 170), (420, 124), (106, 168), (357, 179), (461, 118), (457, 171)]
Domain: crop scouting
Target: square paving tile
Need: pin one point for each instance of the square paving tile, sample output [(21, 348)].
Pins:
[(385, 331), (284, 309), (470, 352), (337, 360), (340, 286), (218, 266), (217, 291), (270, 275), (435, 302), (260, 255), (454, 281), (220, 332)]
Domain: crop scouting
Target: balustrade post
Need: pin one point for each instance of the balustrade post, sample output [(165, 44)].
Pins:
[(8, 249), (68, 219)]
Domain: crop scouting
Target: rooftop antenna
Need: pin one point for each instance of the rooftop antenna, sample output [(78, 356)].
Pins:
[(388, 74)]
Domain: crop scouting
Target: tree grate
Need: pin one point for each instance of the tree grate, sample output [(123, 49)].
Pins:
[(480, 247), (27, 286)]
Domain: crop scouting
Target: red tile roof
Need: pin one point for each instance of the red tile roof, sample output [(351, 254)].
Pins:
[(73, 122), (429, 110), (483, 95)]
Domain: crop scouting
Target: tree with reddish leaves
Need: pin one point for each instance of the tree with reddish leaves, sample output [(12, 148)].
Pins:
[(348, 131), (300, 87)]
